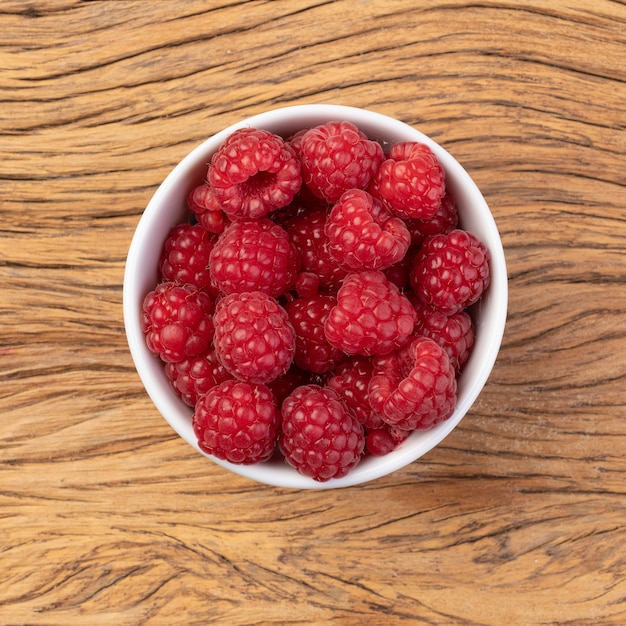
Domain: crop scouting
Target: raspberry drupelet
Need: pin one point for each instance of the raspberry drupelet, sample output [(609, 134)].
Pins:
[(177, 321), (363, 234), (253, 173), (254, 339), (319, 436), (237, 421)]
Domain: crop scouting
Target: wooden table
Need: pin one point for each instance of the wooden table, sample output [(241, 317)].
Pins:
[(518, 517)]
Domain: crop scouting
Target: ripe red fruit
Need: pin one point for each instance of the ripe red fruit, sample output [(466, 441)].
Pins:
[(254, 339), (313, 351), (451, 272), (254, 255), (410, 181), (371, 315), (414, 388), (362, 234), (254, 173), (177, 321), (319, 436), (237, 421), (337, 156)]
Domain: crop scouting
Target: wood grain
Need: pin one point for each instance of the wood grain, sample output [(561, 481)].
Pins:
[(107, 517)]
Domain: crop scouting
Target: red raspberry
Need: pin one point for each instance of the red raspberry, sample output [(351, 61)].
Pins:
[(307, 316), (445, 220), (384, 440), (193, 377), (307, 233), (254, 255), (254, 339), (319, 436), (350, 380), (185, 257), (371, 315), (362, 234), (414, 387), (454, 333), (207, 210), (282, 386), (238, 422), (337, 156), (410, 181), (451, 272), (254, 173), (177, 321)]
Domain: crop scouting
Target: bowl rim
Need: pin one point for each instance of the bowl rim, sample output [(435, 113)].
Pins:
[(284, 120)]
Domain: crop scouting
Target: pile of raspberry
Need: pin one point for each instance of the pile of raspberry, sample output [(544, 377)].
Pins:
[(316, 305)]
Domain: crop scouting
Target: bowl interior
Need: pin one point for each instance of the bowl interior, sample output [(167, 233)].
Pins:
[(167, 208)]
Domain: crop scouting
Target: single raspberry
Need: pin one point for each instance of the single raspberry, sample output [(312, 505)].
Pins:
[(350, 380), (454, 333), (254, 173), (282, 386), (194, 376), (207, 210), (362, 234), (177, 321), (307, 233), (185, 256), (410, 181), (446, 219), (307, 316), (337, 156), (451, 272), (384, 440), (414, 388), (238, 422), (319, 436), (254, 339), (371, 315), (254, 255)]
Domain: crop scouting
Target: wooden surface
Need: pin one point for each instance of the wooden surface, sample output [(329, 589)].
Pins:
[(107, 517)]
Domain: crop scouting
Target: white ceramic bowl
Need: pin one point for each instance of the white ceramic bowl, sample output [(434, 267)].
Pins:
[(167, 208)]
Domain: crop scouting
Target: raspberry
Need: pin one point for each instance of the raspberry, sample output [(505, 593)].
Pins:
[(254, 339), (384, 440), (254, 255), (443, 221), (194, 376), (307, 316), (177, 321), (454, 333), (410, 181), (371, 315), (205, 207), (282, 386), (362, 234), (451, 272), (237, 421), (414, 387), (307, 233), (254, 173), (319, 436), (185, 256), (350, 380), (337, 156)]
